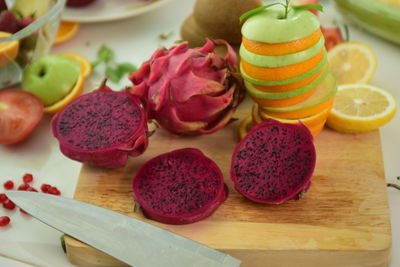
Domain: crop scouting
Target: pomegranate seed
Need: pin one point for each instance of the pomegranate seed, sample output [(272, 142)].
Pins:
[(4, 221), (3, 197), (31, 189), (45, 188), (54, 191), (9, 205), (27, 178), (23, 187), (9, 185)]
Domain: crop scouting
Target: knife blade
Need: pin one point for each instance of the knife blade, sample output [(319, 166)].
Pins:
[(130, 240)]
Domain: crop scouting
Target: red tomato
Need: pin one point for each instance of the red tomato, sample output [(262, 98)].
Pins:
[(333, 36), (20, 112)]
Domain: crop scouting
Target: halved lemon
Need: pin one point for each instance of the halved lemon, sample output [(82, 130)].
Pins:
[(66, 30), (8, 50), (79, 86), (352, 63), (361, 108)]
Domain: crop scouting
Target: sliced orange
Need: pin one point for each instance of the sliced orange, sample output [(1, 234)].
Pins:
[(8, 50), (277, 103), (314, 123), (75, 92), (66, 30), (86, 67), (290, 86), (320, 100), (267, 49), (282, 73)]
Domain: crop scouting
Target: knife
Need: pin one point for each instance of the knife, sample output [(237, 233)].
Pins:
[(130, 240)]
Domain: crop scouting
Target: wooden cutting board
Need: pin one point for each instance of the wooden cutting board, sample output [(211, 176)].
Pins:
[(343, 220)]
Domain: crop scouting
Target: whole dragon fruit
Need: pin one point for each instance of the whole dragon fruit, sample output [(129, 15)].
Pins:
[(102, 128), (274, 162), (190, 91)]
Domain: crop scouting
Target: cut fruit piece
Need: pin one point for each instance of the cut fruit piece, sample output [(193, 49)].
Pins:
[(8, 50), (311, 121), (283, 95), (282, 73), (286, 102), (243, 130), (66, 31), (290, 86), (283, 60), (352, 63), (268, 49), (86, 66), (320, 100), (361, 108), (305, 75)]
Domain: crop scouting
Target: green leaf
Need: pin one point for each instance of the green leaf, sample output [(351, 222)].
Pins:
[(257, 10), (309, 6), (104, 55), (115, 74), (126, 68)]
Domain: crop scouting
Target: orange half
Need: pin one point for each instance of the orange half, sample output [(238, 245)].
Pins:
[(282, 73), (279, 49), (8, 50), (86, 67), (66, 30)]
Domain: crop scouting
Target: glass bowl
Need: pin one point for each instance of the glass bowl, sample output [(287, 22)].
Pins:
[(31, 42)]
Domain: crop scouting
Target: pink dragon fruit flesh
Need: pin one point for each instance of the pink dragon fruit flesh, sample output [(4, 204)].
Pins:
[(190, 91), (102, 128), (274, 162), (179, 187)]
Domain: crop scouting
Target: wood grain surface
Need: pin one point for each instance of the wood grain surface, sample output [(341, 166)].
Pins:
[(343, 220)]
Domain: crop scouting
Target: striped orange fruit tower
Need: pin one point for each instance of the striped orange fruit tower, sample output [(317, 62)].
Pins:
[(284, 65)]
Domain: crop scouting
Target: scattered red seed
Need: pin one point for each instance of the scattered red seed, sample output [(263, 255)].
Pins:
[(9, 185), (3, 197), (54, 191), (23, 187), (45, 188), (27, 178), (4, 221), (31, 189), (9, 205)]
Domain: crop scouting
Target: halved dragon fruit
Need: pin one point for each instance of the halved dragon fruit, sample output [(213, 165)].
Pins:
[(179, 187), (102, 128), (274, 162), (190, 91)]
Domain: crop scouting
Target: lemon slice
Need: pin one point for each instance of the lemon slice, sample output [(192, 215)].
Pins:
[(352, 63), (361, 108), (66, 31), (8, 50)]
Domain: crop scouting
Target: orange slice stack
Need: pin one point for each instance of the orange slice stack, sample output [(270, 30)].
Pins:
[(286, 74)]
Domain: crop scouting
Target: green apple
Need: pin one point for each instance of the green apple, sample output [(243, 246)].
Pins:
[(51, 78)]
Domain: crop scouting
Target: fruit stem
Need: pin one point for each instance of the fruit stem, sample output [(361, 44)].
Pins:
[(286, 9)]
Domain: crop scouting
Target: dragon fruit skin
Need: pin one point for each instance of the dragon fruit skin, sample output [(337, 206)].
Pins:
[(102, 128), (179, 187), (274, 162), (190, 91)]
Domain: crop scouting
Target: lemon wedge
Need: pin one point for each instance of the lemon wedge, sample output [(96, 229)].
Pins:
[(360, 108), (352, 63)]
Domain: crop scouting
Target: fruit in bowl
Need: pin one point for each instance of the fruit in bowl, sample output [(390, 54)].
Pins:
[(79, 3)]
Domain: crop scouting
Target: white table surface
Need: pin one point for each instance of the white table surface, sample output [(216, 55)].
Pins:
[(134, 40)]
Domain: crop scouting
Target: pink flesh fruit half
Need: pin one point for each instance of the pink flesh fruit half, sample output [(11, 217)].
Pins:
[(102, 128), (179, 187), (274, 162)]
